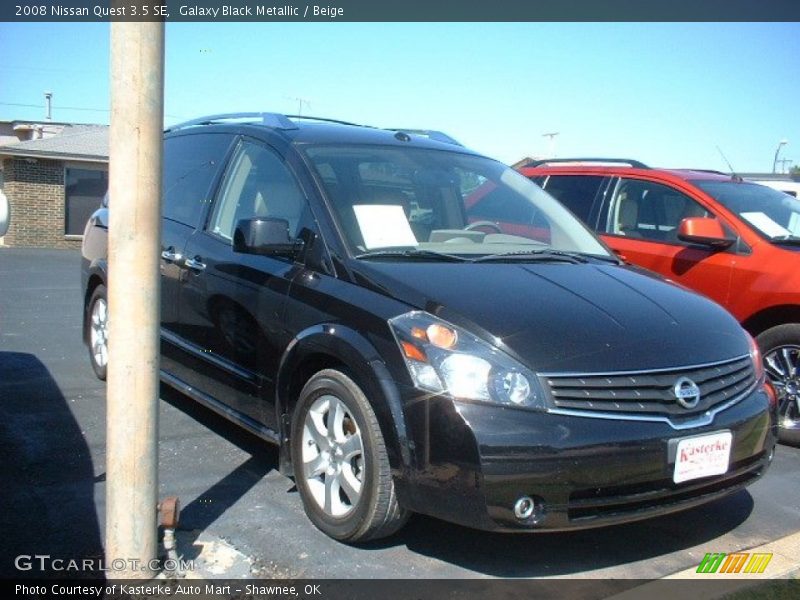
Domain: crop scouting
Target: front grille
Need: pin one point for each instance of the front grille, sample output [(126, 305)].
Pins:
[(651, 393)]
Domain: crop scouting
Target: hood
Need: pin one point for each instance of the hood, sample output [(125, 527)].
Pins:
[(556, 317)]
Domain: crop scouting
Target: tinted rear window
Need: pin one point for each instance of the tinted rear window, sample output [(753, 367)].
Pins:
[(576, 192)]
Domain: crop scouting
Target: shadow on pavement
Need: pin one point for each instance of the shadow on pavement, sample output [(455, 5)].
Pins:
[(210, 505), (47, 504)]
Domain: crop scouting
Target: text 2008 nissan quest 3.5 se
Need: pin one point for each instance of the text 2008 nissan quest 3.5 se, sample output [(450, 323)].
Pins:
[(422, 329)]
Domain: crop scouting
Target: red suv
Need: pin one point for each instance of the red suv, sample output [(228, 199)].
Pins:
[(736, 242)]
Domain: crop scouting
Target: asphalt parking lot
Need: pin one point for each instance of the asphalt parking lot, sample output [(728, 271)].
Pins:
[(52, 473)]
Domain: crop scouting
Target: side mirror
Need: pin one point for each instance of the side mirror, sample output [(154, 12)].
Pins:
[(705, 231), (5, 214), (265, 236)]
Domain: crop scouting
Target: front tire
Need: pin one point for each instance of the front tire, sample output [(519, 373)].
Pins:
[(340, 462), (97, 325), (780, 347)]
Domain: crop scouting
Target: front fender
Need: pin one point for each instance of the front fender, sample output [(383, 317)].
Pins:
[(339, 344)]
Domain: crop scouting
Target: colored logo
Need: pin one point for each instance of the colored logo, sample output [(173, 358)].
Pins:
[(735, 562), (686, 392)]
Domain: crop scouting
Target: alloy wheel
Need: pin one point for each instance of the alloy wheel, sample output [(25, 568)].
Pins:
[(783, 369), (333, 456), (98, 332)]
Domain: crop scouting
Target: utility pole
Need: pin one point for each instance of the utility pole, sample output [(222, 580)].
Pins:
[(134, 296), (781, 144), (785, 164)]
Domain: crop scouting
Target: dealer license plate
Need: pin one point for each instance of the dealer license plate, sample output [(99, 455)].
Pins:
[(702, 456)]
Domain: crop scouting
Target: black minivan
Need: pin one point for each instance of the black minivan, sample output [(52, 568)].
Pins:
[(422, 329)]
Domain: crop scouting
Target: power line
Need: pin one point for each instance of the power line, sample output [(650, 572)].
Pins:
[(81, 108), (50, 69), (59, 107), (17, 104)]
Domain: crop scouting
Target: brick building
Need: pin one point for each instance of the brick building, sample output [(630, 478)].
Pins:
[(53, 185)]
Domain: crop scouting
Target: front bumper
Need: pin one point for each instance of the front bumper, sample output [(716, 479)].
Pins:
[(474, 461)]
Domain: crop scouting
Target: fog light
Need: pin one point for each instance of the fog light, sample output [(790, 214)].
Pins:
[(524, 508)]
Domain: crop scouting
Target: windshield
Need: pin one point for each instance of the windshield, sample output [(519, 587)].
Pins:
[(420, 202), (771, 213)]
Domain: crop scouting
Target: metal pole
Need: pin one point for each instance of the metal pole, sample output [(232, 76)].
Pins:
[(134, 296), (777, 151)]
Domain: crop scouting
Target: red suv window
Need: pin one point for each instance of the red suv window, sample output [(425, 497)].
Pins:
[(649, 210), (577, 192)]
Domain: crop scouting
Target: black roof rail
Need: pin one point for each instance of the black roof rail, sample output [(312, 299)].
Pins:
[(281, 121), (734, 176), (712, 171), (432, 134), (622, 161), (275, 120), (324, 120)]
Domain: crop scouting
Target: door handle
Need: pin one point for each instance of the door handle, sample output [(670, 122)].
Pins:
[(170, 255), (195, 264)]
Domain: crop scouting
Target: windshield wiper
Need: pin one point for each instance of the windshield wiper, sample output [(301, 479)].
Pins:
[(786, 239), (539, 255), (413, 253)]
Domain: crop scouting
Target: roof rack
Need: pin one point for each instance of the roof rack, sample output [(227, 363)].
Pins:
[(275, 120), (324, 120), (712, 171), (281, 121), (621, 161), (432, 134), (734, 176)]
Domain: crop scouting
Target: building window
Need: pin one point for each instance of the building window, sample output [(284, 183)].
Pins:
[(83, 192)]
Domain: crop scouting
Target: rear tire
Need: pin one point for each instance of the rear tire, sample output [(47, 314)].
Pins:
[(97, 331), (780, 347), (340, 462)]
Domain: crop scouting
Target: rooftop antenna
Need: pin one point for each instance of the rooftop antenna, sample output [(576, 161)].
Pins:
[(730, 168), (552, 137), (300, 102)]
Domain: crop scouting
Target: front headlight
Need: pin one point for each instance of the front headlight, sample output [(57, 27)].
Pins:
[(756, 358), (443, 358)]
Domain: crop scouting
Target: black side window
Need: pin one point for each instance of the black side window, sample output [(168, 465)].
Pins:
[(190, 165), (576, 192)]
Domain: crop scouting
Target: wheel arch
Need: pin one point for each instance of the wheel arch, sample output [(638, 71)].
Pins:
[(96, 275), (331, 346), (769, 317)]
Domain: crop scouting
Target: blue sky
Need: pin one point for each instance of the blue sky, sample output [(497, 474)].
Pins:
[(666, 94)]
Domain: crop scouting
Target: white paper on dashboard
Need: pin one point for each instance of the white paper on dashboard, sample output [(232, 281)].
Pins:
[(384, 225), (765, 224)]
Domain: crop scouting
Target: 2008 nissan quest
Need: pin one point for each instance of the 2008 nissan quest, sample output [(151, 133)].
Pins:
[(422, 329)]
